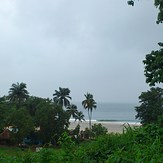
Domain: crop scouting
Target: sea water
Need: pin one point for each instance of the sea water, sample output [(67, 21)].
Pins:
[(120, 112)]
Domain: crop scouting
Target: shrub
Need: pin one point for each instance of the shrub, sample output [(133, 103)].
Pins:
[(98, 129)]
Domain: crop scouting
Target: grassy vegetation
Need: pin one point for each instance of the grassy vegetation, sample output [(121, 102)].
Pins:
[(143, 144), (4, 150)]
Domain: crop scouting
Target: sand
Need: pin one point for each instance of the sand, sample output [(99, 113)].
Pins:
[(113, 127)]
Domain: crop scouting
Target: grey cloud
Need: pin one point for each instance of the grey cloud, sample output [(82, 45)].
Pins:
[(95, 46)]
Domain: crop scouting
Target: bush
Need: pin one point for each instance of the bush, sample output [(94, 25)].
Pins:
[(98, 129), (142, 144)]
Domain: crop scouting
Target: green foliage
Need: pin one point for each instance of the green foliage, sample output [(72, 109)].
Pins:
[(68, 146), (46, 155), (44, 120), (21, 122), (66, 142), (141, 144), (159, 5), (86, 134), (98, 129), (97, 150), (144, 145), (29, 157), (154, 67), (131, 2), (33, 103), (151, 107), (3, 112), (52, 121), (94, 132), (75, 134), (33, 113)]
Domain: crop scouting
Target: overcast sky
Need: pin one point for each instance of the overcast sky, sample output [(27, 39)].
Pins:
[(94, 46)]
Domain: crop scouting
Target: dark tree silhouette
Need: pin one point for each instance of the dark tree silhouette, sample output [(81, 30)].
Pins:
[(62, 97), (89, 104), (18, 93)]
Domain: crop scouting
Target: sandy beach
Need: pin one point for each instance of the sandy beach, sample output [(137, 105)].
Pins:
[(113, 127)]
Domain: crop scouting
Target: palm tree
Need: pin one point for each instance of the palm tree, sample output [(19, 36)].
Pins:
[(90, 104), (62, 97), (18, 93), (79, 116), (72, 110)]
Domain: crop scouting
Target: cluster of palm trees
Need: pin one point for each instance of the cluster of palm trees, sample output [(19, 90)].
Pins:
[(62, 97), (72, 110), (18, 94)]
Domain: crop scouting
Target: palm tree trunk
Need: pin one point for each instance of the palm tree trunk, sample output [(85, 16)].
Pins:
[(89, 116), (18, 104), (90, 119)]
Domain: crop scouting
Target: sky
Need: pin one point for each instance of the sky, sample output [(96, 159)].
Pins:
[(94, 46)]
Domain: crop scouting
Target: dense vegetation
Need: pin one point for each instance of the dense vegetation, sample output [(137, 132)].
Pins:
[(143, 144), (46, 121), (36, 119)]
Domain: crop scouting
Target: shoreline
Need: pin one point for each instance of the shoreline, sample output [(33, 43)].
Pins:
[(112, 126)]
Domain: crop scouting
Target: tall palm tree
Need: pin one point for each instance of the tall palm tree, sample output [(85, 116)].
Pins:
[(18, 93), (62, 97), (72, 110), (90, 104)]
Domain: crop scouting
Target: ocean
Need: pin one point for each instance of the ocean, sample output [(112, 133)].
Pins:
[(117, 112)]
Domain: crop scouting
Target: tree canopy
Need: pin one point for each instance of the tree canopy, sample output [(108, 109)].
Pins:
[(72, 110), (52, 121), (154, 66), (151, 107), (18, 93), (62, 97), (152, 101), (21, 122), (34, 118)]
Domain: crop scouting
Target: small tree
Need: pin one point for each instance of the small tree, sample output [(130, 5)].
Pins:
[(98, 129), (21, 123), (151, 107), (52, 120)]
